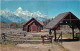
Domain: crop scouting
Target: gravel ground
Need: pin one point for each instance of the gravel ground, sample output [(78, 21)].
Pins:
[(72, 46), (32, 47)]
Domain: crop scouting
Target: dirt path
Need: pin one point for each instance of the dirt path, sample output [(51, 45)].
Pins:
[(72, 46), (40, 47), (32, 47)]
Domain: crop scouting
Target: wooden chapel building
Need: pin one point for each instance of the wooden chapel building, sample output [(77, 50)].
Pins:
[(33, 26), (66, 18)]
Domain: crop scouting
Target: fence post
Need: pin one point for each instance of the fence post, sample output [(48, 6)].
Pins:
[(51, 38), (61, 37)]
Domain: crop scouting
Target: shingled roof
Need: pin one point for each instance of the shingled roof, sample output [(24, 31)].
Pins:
[(41, 22), (31, 21), (56, 20)]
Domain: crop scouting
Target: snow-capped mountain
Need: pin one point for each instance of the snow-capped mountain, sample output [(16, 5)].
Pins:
[(8, 16), (20, 16), (20, 12)]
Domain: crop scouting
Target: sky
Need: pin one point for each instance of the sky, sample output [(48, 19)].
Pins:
[(51, 8)]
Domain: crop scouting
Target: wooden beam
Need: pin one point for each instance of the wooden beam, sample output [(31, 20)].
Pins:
[(64, 24), (50, 32), (73, 32), (69, 19), (55, 35)]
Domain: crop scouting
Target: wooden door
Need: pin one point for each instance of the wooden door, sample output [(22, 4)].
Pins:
[(34, 28)]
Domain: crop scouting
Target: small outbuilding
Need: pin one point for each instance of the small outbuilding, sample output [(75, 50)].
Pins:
[(33, 25), (66, 18)]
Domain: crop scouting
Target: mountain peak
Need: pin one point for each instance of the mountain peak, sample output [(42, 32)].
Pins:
[(20, 8), (18, 11)]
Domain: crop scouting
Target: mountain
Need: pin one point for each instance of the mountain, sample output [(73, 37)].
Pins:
[(8, 16), (3, 19), (20, 16), (28, 15)]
